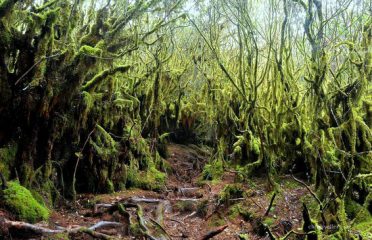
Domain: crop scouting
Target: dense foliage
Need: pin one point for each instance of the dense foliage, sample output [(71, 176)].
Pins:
[(92, 90)]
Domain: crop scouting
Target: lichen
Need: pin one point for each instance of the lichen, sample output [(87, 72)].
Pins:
[(22, 204)]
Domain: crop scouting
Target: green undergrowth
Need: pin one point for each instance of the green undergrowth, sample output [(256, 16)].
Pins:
[(20, 201)]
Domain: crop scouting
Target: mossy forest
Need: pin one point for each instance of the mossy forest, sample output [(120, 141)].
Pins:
[(186, 119)]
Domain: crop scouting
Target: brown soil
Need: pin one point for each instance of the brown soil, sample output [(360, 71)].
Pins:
[(190, 209)]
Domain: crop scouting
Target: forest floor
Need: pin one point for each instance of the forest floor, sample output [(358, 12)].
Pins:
[(191, 209)]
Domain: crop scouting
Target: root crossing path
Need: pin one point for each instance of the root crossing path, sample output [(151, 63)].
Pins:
[(187, 208)]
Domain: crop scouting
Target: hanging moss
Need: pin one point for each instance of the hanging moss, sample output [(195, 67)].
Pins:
[(124, 103), (104, 145), (98, 78), (254, 144), (22, 204)]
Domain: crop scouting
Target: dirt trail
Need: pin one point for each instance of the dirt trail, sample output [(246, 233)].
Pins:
[(187, 209)]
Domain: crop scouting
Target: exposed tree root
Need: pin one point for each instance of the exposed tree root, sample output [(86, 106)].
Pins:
[(122, 208), (23, 228)]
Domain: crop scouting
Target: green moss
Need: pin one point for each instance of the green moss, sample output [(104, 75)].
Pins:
[(99, 77), (123, 103), (22, 204), (7, 157), (88, 100), (231, 191), (59, 236), (90, 51), (352, 208), (255, 145), (216, 221), (240, 210), (243, 236), (291, 184), (362, 216), (135, 229), (109, 186), (151, 179), (212, 171), (364, 228), (104, 145), (269, 221)]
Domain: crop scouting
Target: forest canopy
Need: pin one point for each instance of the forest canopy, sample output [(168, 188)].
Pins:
[(93, 92)]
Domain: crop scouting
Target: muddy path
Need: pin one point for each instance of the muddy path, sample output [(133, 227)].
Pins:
[(187, 208)]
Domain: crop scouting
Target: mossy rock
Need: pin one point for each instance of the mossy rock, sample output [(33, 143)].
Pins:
[(22, 204), (152, 179)]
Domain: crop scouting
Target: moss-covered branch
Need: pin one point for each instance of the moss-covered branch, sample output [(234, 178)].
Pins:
[(97, 79)]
